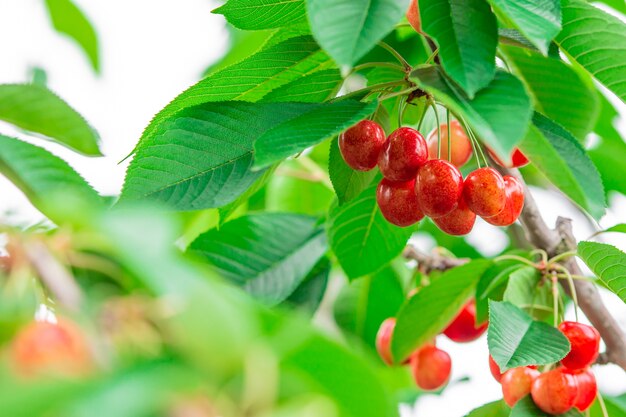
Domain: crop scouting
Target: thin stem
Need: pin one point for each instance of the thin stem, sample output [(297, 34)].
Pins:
[(542, 253), (396, 54), (480, 149), (472, 142), (449, 136), (515, 258), (310, 165), (377, 65), (605, 412), (438, 131), (401, 110), (555, 298), (398, 93), (432, 56), (562, 256), (373, 88), (422, 117), (572, 287)]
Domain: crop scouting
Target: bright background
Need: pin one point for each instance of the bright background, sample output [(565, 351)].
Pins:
[(151, 50)]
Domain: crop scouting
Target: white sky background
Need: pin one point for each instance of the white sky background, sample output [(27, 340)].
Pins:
[(151, 50)]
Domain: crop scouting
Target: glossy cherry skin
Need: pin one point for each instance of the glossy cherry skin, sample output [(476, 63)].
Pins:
[(463, 328), (431, 367), (461, 145), (361, 145), (495, 369), (458, 222), (555, 391), (585, 342), (44, 347), (587, 388), (514, 203), (516, 384), (484, 192), (403, 153), (413, 16), (439, 186), (398, 202), (518, 159), (383, 340)]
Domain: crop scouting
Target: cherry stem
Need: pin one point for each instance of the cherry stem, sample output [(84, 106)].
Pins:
[(432, 56), (396, 54), (562, 256), (438, 131), (605, 412), (449, 136), (401, 110), (515, 258), (572, 287), (542, 253), (377, 65), (398, 93), (473, 142), (555, 298), (422, 117), (372, 89)]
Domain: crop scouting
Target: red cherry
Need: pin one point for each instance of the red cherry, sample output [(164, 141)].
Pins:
[(555, 391), (383, 340), (514, 203), (458, 222), (361, 145), (463, 327), (439, 186), (484, 192), (518, 159), (516, 384), (585, 342), (461, 145), (43, 347), (587, 388), (413, 16), (398, 202), (495, 369), (403, 153), (431, 367)]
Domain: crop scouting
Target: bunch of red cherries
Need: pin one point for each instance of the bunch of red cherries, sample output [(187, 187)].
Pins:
[(418, 183)]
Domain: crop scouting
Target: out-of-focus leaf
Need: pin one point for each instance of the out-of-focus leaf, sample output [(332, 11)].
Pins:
[(347, 182), (527, 408), (493, 409), (308, 296), (262, 14)]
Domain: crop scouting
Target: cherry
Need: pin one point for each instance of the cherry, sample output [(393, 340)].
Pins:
[(403, 153), (413, 16), (587, 388), (361, 144), (439, 186), (585, 342), (514, 203), (431, 367), (516, 384), (484, 192), (461, 145), (398, 202), (59, 348), (518, 159), (495, 369), (463, 328), (555, 391), (459, 221), (383, 340)]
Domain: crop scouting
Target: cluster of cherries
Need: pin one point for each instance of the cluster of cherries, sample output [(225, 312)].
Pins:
[(430, 365), (418, 183), (571, 385)]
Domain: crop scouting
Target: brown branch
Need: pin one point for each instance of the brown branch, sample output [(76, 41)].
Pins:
[(433, 262)]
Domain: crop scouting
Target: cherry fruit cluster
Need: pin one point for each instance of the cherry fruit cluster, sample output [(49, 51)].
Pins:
[(417, 182)]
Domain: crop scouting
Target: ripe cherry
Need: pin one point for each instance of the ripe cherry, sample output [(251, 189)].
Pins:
[(43, 347), (518, 159), (494, 369), (516, 384), (514, 203), (461, 145), (431, 367), (383, 340), (585, 342), (463, 328), (361, 145), (439, 186), (403, 153), (458, 222), (398, 202), (587, 388), (413, 16), (484, 192), (555, 391)]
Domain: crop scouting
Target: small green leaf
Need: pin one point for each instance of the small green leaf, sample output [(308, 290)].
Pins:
[(347, 182), (427, 313), (68, 19), (35, 108), (466, 32), (618, 228), (362, 240), (268, 254), (492, 286), (314, 88), (608, 263), (515, 339), (527, 408), (493, 409), (308, 129), (262, 14), (525, 291), (490, 112), (348, 29)]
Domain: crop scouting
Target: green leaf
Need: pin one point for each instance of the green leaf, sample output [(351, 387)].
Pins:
[(604, 53), (313, 88), (262, 14), (608, 263), (308, 129), (619, 5), (42, 177), (308, 296), (68, 19), (269, 254), (202, 156), (229, 209), (515, 339), (490, 112), (35, 108), (427, 313), (362, 240), (618, 228), (493, 409), (538, 20), (615, 407), (557, 90), (466, 32), (561, 158), (348, 29), (347, 182), (492, 286), (527, 408), (525, 291)]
